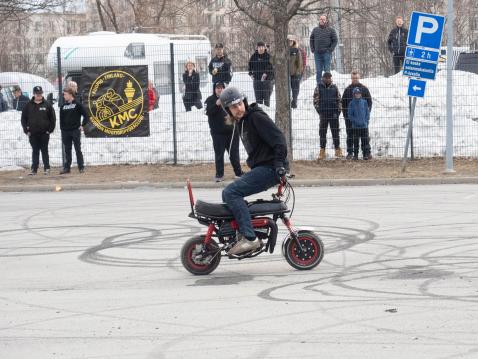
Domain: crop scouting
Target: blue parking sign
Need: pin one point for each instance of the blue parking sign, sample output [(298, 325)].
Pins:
[(426, 30)]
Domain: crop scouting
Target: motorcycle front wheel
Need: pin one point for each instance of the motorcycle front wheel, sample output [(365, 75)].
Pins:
[(306, 256), (198, 258)]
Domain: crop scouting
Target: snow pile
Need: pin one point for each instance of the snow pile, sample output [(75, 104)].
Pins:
[(388, 126)]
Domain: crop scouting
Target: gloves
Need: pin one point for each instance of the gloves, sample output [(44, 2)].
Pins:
[(280, 172)]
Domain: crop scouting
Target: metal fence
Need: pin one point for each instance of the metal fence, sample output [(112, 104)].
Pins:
[(181, 136)]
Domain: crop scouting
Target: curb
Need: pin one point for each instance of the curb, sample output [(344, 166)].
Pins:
[(296, 183)]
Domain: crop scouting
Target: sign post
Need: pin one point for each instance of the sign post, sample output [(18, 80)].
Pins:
[(421, 60)]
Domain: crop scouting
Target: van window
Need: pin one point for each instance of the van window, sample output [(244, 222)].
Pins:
[(135, 50), (201, 67), (162, 77)]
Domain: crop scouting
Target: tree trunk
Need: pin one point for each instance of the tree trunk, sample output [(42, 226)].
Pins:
[(282, 115)]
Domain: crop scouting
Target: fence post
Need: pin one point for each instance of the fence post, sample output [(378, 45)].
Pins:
[(60, 96), (449, 90), (173, 101), (412, 152)]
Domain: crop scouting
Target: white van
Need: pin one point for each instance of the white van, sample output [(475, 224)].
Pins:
[(111, 49)]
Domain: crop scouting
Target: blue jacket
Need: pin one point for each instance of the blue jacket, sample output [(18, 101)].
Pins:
[(358, 113)]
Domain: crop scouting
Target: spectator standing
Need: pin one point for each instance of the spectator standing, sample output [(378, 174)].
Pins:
[(262, 74), (19, 99), (152, 97), (224, 137), (359, 116), (296, 68), (192, 93), (3, 103), (397, 43), (38, 122), (220, 67), (346, 99), (71, 127), (328, 106), (323, 40)]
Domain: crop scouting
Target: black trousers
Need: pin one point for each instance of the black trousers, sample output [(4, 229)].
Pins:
[(397, 63), (361, 134), (221, 143), (325, 121), (295, 87), (350, 136), (69, 137), (262, 91), (39, 143)]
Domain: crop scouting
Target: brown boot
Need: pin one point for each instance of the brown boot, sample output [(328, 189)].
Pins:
[(321, 155), (338, 152)]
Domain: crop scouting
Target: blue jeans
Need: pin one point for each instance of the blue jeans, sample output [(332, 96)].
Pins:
[(322, 64), (255, 181)]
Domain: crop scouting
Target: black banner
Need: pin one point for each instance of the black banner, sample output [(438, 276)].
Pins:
[(116, 99)]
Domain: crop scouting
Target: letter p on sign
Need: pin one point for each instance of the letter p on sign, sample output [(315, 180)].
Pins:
[(426, 25)]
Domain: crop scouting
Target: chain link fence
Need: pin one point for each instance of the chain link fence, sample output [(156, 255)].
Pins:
[(180, 136)]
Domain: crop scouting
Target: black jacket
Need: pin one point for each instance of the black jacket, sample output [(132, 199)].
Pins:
[(327, 100), (3, 104), (260, 64), (216, 116), (397, 41), (224, 68), (264, 142), (348, 96), (38, 118), (323, 39), (70, 116), (20, 102), (192, 83)]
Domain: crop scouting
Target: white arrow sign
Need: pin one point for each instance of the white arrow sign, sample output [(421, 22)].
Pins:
[(416, 88)]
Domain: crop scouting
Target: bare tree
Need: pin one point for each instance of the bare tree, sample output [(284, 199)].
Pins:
[(14, 10)]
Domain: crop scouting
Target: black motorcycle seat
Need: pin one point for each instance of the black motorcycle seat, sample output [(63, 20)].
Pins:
[(256, 208)]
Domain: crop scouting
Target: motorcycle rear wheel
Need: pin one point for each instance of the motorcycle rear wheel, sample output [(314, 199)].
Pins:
[(308, 257), (199, 266)]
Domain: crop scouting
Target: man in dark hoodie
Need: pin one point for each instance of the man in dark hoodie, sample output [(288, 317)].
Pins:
[(38, 121), (397, 43), (71, 126), (323, 40), (346, 99), (223, 136), (19, 99), (262, 74), (266, 148), (220, 66)]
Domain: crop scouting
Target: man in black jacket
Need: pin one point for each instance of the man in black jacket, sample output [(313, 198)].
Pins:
[(328, 106), (38, 121), (346, 99), (262, 74), (323, 40), (223, 136), (220, 66), (19, 99), (266, 148), (397, 43), (71, 127)]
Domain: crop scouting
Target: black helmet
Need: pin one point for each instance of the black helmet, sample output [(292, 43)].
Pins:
[(230, 96)]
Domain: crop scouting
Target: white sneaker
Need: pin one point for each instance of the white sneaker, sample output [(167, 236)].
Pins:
[(218, 179), (245, 245)]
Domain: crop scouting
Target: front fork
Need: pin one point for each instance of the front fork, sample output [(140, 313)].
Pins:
[(292, 232)]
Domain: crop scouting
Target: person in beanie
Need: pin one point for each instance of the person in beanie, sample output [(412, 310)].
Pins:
[(323, 40), (220, 66), (346, 99), (38, 122), (19, 99), (296, 69), (397, 43), (266, 148), (192, 92), (262, 74), (328, 106), (359, 115), (223, 137), (71, 127)]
